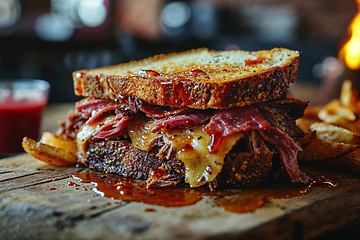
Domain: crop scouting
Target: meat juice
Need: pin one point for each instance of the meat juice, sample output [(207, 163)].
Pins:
[(21, 112)]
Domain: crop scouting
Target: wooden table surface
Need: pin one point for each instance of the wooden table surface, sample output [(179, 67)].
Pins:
[(36, 202)]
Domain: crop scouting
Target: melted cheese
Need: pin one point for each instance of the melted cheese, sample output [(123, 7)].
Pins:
[(190, 146), (139, 131)]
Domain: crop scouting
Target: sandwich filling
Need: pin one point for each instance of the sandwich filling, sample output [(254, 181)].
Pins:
[(234, 145)]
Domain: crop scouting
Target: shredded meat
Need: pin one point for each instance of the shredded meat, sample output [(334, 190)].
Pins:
[(183, 120), (158, 178), (283, 113), (226, 122), (213, 185), (69, 128), (287, 149), (92, 108), (116, 126), (166, 151), (162, 112)]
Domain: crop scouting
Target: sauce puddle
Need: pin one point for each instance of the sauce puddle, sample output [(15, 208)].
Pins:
[(127, 189), (249, 199), (231, 200)]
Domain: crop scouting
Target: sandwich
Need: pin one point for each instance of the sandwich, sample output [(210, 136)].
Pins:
[(199, 117)]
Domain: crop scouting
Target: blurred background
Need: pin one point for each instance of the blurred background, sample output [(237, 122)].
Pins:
[(49, 39)]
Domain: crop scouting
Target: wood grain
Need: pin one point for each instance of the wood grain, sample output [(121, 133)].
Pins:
[(37, 203)]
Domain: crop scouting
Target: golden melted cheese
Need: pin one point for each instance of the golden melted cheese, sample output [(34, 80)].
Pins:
[(190, 146), (139, 131)]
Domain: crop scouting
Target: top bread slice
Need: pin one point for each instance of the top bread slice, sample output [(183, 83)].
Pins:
[(198, 78)]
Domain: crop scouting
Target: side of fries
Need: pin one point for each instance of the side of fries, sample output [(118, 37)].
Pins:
[(333, 131), (52, 149)]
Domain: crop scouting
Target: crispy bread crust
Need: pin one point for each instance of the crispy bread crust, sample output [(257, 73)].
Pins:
[(218, 86)]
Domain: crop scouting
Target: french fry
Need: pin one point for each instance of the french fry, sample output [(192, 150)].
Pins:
[(312, 111), (336, 113), (353, 126), (349, 96), (337, 130), (350, 161), (49, 154), (59, 142), (318, 150), (332, 133), (305, 123), (307, 139)]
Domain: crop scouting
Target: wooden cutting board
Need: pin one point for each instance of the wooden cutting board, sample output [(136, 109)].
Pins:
[(36, 202)]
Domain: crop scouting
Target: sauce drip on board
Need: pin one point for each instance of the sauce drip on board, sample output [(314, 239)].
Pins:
[(72, 184), (249, 199), (231, 200), (127, 189)]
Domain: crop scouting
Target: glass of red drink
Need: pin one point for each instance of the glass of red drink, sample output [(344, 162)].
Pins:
[(22, 103)]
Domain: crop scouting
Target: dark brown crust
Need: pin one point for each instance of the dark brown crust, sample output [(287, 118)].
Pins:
[(285, 112), (243, 168), (121, 158), (190, 91)]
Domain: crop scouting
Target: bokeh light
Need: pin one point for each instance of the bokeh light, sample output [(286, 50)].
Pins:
[(53, 27), (92, 13), (9, 13)]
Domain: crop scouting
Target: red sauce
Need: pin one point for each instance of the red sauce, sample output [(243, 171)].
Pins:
[(249, 62), (180, 89), (148, 73), (52, 189), (187, 148), (249, 199), (156, 172), (197, 72), (78, 87), (72, 184), (17, 120), (122, 97), (116, 187), (150, 210), (231, 200)]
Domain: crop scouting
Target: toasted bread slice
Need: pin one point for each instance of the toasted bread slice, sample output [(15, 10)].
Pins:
[(196, 79)]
